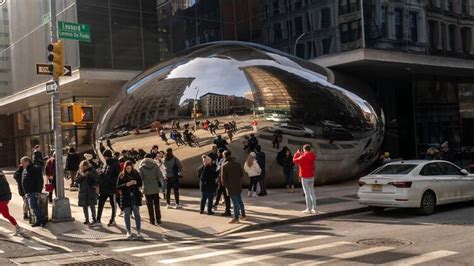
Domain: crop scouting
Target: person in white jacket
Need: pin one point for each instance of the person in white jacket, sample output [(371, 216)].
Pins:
[(253, 170)]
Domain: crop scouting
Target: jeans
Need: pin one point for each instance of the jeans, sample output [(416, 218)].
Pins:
[(33, 203), (209, 197), (163, 185), (102, 200), (153, 205), (26, 208), (310, 196), (239, 207), (136, 212), (222, 191), (288, 173), (86, 212), (172, 183), (253, 183)]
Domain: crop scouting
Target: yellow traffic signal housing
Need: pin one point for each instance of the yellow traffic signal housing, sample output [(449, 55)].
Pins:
[(80, 114), (56, 58)]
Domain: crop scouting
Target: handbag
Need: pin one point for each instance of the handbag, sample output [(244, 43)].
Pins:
[(49, 188)]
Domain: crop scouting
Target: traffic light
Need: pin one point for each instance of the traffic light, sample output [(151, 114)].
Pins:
[(56, 58), (80, 114)]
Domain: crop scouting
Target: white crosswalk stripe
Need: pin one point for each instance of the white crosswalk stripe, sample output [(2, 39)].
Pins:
[(344, 256), (424, 258), (1, 251), (259, 246), (243, 240), (275, 254), (127, 249), (231, 251), (24, 241)]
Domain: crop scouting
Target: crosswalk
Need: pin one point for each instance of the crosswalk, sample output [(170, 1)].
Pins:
[(267, 247), (33, 242)]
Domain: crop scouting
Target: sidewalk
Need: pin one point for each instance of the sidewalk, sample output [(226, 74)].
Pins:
[(278, 207)]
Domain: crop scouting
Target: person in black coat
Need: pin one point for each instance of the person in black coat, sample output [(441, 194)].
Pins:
[(129, 184), (261, 160), (21, 192), (72, 166), (87, 179), (285, 159), (108, 175), (207, 175), (5, 197), (32, 183)]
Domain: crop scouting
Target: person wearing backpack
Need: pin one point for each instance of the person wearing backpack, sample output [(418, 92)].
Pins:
[(207, 175), (151, 177), (173, 174)]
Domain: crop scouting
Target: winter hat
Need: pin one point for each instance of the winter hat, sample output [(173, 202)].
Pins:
[(107, 153), (253, 154), (88, 156)]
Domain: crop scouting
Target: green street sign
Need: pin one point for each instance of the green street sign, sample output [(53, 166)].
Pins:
[(74, 31)]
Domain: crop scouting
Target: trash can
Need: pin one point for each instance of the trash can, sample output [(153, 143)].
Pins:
[(43, 204)]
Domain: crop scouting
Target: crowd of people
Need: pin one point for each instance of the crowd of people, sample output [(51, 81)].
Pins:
[(133, 174)]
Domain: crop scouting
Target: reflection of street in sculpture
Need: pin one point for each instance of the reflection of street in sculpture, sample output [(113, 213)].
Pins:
[(232, 90)]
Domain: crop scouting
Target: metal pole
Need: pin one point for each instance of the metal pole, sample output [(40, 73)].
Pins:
[(362, 20), (296, 42), (61, 207)]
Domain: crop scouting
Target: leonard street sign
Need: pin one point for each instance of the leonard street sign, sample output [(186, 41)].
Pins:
[(42, 69), (51, 87), (74, 31)]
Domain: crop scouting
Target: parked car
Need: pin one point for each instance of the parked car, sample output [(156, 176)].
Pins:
[(277, 117), (291, 129), (416, 184)]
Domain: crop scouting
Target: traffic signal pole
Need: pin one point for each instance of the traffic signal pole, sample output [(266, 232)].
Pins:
[(61, 206)]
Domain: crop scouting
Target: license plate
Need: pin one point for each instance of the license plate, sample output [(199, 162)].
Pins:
[(376, 187)]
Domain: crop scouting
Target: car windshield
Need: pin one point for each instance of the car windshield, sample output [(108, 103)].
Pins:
[(395, 169)]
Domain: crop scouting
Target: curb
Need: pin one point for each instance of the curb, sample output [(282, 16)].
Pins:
[(297, 220)]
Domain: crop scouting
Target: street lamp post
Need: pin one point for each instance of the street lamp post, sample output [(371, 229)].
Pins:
[(296, 42)]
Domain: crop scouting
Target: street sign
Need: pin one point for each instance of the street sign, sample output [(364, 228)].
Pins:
[(74, 31), (51, 87), (42, 69)]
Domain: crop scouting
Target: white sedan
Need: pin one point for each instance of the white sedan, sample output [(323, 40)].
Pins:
[(416, 184), (292, 129)]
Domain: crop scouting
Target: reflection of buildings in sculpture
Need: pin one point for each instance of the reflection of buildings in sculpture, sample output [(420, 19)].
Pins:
[(214, 104), (249, 95), (156, 102), (186, 108), (240, 105), (270, 92)]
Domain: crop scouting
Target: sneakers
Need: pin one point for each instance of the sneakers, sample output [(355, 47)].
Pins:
[(243, 218), (227, 214), (121, 214), (249, 194), (306, 211), (18, 231), (313, 211), (178, 206), (168, 206), (129, 235), (233, 221), (210, 213), (86, 223), (139, 235), (111, 223), (254, 195)]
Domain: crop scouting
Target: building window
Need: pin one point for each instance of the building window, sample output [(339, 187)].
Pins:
[(414, 27), (326, 44), (398, 24), (348, 6), (300, 50), (466, 37), (298, 4), (298, 25), (350, 32), (443, 35), (277, 33), (276, 7), (325, 18), (433, 28), (450, 5), (452, 37), (384, 22), (465, 7)]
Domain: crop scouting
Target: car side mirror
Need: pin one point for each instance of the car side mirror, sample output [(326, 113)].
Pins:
[(464, 172)]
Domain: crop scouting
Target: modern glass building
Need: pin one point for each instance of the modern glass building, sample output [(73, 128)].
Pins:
[(417, 56)]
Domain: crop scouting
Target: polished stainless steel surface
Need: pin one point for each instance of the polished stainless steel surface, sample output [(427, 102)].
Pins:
[(245, 83)]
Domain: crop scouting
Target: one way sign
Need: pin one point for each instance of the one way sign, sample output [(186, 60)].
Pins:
[(42, 69)]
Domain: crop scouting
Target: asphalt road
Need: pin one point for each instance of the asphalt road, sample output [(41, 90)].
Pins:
[(397, 237)]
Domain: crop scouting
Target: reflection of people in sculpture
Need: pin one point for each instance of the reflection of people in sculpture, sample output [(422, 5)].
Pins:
[(254, 125), (109, 144), (220, 142), (230, 135), (190, 139), (163, 137), (277, 139)]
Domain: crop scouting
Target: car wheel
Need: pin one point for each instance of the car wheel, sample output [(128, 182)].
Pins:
[(377, 210), (428, 203)]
